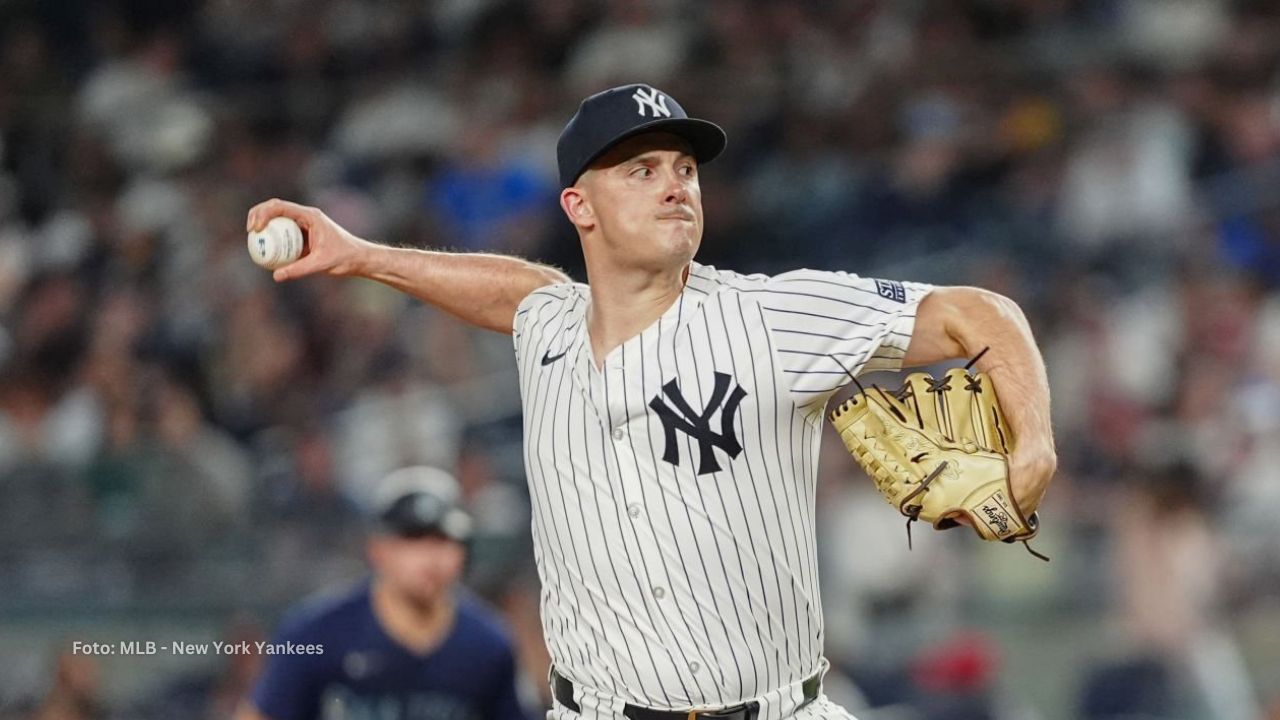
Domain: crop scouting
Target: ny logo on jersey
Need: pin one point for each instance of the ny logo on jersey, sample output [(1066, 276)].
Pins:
[(698, 425), (652, 99)]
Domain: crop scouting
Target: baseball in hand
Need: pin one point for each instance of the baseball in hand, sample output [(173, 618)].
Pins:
[(277, 244)]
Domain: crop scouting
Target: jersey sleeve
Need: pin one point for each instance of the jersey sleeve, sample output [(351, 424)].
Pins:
[(520, 324), (532, 311), (827, 326), (288, 688)]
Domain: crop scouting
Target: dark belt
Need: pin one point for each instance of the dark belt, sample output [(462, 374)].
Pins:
[(562, 689)]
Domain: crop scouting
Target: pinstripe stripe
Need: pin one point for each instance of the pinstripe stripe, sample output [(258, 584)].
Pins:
[(814, 296), (733, 550), (867, 338), (780, 477), (785, 351), (779, 653), (643, 587), (690, 452), (547, 560), (661, 468), (610, 673), (628, 595), (754, 640), (644, 500), (823, 316), (734, 648), (814, 276), (798, 538), (764, 679)]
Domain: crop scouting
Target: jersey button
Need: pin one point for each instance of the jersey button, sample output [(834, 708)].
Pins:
[(694, 666), (659, 593), (618, 433), (633, 510)]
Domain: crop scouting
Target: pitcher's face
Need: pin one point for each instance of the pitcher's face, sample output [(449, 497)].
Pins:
[(644, 197)]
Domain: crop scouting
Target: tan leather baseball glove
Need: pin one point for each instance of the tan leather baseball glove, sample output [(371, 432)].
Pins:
[(938, 449)]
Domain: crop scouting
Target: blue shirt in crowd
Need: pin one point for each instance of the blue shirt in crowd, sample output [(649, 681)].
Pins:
[(334, 660)]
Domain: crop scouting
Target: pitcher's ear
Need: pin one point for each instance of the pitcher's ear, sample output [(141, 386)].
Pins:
[(576, 207)]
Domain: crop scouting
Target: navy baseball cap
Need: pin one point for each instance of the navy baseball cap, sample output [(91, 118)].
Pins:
[(607, 118), (419, 501)]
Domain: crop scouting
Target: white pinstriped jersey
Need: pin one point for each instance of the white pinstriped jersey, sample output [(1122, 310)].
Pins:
[(673, 489)]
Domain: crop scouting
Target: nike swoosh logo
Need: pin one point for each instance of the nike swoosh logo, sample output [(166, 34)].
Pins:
[(548, 358)]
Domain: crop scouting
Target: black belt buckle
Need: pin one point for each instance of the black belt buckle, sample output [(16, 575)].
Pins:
[(746, 711)]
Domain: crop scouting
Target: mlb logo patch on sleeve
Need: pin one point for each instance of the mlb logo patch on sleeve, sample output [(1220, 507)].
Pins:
[(891, 290)]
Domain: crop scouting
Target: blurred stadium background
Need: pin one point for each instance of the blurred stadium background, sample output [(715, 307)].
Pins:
[(184, 445)]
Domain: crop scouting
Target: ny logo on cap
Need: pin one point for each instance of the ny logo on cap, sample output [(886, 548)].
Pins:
[(654, 100)]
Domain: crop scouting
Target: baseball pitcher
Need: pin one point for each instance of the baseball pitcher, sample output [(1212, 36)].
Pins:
[(673, 413)]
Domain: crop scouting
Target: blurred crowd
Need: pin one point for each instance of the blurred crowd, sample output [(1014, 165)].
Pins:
[(176, 430)]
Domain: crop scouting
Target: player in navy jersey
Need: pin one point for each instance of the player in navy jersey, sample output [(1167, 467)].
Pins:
[(673, 414), (406, 644)]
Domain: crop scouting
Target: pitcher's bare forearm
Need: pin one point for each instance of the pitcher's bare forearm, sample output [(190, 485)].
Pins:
[(1016, 368), (479, 288), (957, 322)]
